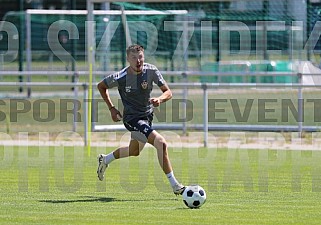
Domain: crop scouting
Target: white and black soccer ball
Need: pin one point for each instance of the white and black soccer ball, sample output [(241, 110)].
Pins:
[(194, 196)]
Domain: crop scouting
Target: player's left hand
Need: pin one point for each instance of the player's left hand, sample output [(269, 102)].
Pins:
[(155, 101)]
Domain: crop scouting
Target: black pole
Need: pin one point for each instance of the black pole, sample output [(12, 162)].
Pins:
[(73, 41), (123, 46), (308, 24), (217, 21), (21, 44), (266, 18), (73, 46)]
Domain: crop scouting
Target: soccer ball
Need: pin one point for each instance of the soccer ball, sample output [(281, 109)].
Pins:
[(194, 196)]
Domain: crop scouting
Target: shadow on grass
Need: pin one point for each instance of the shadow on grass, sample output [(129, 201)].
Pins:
[(84, 199), (99, 199)]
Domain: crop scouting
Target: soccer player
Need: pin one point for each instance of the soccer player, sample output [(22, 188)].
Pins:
[(135, 83)]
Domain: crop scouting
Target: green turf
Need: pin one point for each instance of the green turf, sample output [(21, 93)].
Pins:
[(57, 185)]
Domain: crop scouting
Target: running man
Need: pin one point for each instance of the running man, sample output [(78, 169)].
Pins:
[(135, 84)]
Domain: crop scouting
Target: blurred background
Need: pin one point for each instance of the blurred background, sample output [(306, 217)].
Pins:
[(217, 42), (284, 43)]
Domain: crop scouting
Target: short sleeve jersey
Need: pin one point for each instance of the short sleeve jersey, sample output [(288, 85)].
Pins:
[(135, 90)]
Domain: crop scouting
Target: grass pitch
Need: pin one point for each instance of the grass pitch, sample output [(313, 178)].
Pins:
[(58, 185)]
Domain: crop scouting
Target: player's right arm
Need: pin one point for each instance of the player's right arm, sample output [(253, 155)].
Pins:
[(103, 90)]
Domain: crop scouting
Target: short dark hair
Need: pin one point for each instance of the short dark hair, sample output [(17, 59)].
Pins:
[(134, 48)]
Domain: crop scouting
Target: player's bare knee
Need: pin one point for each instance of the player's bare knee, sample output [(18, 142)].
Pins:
[(161, 144), (160, 141)]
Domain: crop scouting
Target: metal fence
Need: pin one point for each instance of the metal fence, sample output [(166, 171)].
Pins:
[(185, 86)]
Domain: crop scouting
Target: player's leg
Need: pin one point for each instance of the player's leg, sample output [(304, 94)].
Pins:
[(159, 142), (133, 149)]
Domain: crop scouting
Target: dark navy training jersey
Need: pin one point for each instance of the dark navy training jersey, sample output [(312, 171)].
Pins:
[(135, 90)]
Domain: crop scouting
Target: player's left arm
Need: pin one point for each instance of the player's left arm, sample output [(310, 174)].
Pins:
[(165, 96)]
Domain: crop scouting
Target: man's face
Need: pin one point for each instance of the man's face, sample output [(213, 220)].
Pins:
[(136, 61)]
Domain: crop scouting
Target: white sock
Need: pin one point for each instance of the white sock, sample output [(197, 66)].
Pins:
[(171, 178), (109, 158)]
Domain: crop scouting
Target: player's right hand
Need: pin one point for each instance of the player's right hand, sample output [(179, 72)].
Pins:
[(116, 115)]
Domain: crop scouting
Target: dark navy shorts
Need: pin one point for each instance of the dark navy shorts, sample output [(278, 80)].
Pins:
[(140, 128)]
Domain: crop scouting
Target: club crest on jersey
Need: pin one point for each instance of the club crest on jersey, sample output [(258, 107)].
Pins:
[(144, 84)]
